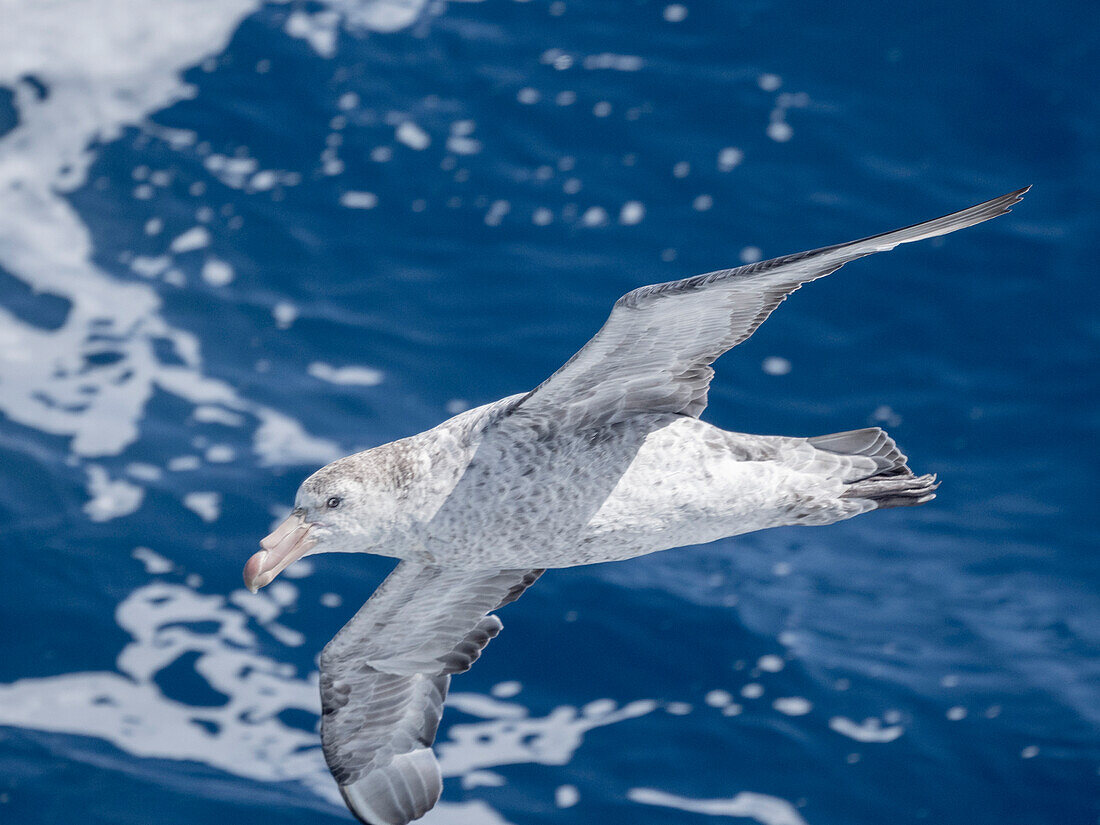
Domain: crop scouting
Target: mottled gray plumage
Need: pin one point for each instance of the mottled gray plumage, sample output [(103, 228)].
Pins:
[(385, 675), (604, 460), (655, 351)]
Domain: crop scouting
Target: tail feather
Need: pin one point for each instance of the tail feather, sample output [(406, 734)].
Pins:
[(871, 443), (891, 483)]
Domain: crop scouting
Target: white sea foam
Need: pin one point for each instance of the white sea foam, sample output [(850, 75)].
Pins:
[(217, 272), (718, 698), (220, 454), (729, 158), (566, 796), (377, 15), (184, 463), (753, 690), (154, 562), (473, 812), (281, 440), (506, 690), (775, 365), (770, 663), (317, 29), (675, 13), (104, 68), (413, 136), (148, 266), (702, 203), (767, 810), (359, 200), (512, 740), (482, 779), (461, 145), (285, 314), (594, 216), (110, 498), (780, 131), (631, 213), (241, 171), (486, 707), (769, 82), (207, 505), (129, 710), (497, 210), (144, 472), (358, 376), (793, 705), (871, 730), (245, 736), (195, 238), (459, 141), (618, 62)]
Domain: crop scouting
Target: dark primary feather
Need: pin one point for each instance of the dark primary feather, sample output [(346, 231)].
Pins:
[(385, 675), (654, 353)]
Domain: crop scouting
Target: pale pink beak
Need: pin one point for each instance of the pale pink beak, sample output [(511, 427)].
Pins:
[(286, 544)]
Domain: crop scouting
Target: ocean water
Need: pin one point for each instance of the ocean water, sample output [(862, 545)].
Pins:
[(239, 239)]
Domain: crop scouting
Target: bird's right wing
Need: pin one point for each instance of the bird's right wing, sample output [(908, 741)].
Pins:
[(385, 675), (654, 353)]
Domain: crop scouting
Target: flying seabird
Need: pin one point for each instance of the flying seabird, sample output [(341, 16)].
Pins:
[(605, 460)]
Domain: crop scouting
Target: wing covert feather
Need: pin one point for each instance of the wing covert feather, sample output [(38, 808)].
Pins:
[(654, 352), (385, 675)]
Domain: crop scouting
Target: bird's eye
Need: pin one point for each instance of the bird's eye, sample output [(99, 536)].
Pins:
[(333, 502)]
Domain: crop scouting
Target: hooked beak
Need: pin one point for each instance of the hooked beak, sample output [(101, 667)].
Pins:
[(286, 544)]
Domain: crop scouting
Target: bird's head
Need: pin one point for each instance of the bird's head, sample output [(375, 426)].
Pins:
[(349, 506)]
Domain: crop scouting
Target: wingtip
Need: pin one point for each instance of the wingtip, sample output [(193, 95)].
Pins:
[(1013, 198), (979, 213), (1003, 204)]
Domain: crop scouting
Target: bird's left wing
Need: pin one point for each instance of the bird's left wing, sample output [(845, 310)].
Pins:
[(385, 675), (654, 353)]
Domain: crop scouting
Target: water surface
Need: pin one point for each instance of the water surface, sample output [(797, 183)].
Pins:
[(239, 239)]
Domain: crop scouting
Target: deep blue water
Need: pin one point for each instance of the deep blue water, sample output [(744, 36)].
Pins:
[(142, 365)]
